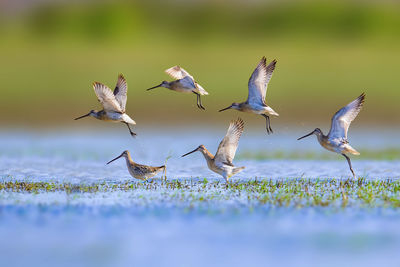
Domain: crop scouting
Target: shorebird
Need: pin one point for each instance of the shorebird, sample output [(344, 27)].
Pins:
[(221, 163), (138, 171), (185, 83), (258, 84), (113, 103), (336, 140)]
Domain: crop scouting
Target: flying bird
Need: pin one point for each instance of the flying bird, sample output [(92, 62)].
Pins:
[(113, 103), (138, 171), (185, 83), (258, 84), (221, 163), (336, 140)]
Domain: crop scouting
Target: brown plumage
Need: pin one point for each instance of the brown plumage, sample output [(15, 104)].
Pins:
[(221, 163), (138, 171)]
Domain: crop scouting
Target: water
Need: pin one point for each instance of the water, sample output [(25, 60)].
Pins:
[(81, 157), (154, 228)]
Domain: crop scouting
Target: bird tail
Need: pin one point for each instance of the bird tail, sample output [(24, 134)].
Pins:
[(351, 150), (128, 119), (272, 112), (237, 170)]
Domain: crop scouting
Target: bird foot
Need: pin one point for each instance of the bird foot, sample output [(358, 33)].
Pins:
[(200, 106)]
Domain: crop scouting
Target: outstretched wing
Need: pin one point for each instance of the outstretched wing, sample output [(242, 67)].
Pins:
[(106, 97), (227, 148), (343, 118), (259, 80), (121, 91), (177, 72)]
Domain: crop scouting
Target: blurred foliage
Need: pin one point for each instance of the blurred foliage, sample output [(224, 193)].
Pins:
[(328, 52), (191, 21)]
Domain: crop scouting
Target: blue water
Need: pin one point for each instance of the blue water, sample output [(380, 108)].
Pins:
[(80, 157), (153, 228)]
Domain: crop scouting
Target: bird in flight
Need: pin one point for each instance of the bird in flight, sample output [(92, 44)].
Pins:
[(113, 103), (185, 83), (258, 84), (221, 163), (336, 140)]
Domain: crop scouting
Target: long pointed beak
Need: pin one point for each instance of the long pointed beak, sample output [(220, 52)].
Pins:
[(81, 117), (306, 135), (225, 108), (189, 153), (154, 87), (114, 159)]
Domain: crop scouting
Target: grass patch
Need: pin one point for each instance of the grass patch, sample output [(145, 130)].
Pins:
[(294, 193)]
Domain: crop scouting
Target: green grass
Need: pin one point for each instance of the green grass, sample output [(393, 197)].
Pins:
[(294, 193)]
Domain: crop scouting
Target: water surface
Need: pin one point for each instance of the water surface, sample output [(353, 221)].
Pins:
[(153, 228)]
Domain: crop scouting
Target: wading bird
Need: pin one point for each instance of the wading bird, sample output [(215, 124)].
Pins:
[(185, 83), (221, 163), (138, 171), (113, 103), (258, 84), (336, 140)]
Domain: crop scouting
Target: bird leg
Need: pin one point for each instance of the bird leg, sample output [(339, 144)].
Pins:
[(268, 127), (199, 104), (130, 131), (351, 168)]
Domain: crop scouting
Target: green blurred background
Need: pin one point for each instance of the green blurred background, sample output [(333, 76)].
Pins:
[(328, 53)]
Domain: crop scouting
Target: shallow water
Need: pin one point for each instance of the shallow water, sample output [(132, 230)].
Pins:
[(153, 228), (81, 157)]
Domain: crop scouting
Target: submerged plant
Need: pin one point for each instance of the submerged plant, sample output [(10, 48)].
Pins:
[(298, 193)]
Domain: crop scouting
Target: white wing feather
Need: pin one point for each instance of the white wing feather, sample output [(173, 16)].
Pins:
[(259, 80), (121, 91), (227, 148), (177, 72), (106, 97), (343, 118)]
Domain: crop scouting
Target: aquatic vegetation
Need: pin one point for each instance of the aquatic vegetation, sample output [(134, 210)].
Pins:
[(192, 193)]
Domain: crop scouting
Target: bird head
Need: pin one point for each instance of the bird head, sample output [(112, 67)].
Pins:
[(162, 84), (200, 148), (317, 132), (92, 113), (124, 154), (233, 106)]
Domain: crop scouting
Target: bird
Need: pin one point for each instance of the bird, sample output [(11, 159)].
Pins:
[(185, 83), (258, 84), (113, 103), (336, 140), (221, 163), (138, 171)]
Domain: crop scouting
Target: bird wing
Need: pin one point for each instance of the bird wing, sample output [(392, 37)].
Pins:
[(259, 80), (343, 118), (227, 148), (177, 72), (121, 91), (106, 97), (187, 82)]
